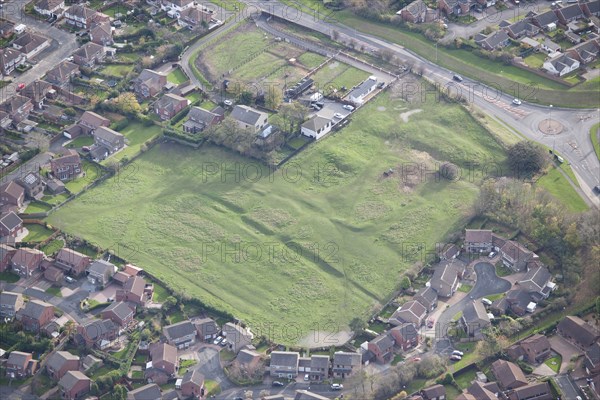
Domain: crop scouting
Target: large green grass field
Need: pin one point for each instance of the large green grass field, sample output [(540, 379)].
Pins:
[(307, 247)]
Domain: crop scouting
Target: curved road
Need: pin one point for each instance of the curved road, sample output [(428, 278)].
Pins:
[(573, 143), (488, 283)]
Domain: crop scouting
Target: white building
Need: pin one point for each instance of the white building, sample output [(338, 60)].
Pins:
[(316, 127)]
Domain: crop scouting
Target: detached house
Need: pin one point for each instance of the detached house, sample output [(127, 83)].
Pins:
[(108, 141), (71, 261), (316, 127), (249, 118), (67, 166), (570, 13), (416, 12), (34, 185), (20, 365), (50, 8), (508, 375), (11, 193), (87, 124), (478, 240), (120, 313), (516, 300), (199, 119), (164, 363), (37, 91), (412, 312), (26, 260), (193, 17), (150, 391), (60, 362), (35, 315), (382, 347), (149, 83), (74, 385), (524, 27), (427, 297), (176, 5), (435, 392), (537, 391), (515, 256), (284, 364), (10, 59), (99, 333), (134, 291), (30, 44), (169, 105), (89, 55), (83, 17), (357, 96), (475, 318), (406, 336), (207, 329), (445, 277), (345, 363), (534, 349), (100, 272), (237, 336), (7, 29), (11, 225), (192, 384), (537, 282), (493, 41), (10, 303), (181, 334), (546, 21), (577, 331), (101, 34), (61, 74), (586, 52), (17, 107)]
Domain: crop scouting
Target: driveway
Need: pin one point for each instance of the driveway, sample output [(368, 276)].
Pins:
[(488, 283), (209, 364), (565, 349), (567, 386)]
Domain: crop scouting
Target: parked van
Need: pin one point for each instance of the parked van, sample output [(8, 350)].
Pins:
[(487, 302)]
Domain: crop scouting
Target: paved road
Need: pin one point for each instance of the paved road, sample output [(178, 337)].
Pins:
[(32, 165), (488, 283), (567, 386), (62, 44), (573, 142), (288, 391)]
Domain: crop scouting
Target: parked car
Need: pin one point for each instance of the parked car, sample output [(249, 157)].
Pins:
[(228, 102), (457, 78), (223, 342), (381, 85), (455, 357), (492, 254), (487, 302), (218, 340), (348, 107), (85, 148), (20, 86), (277, 383), (416, 359), (338, 116), (69, 279), (430, 322), (458, 353), (306, 377), (597, 189), (337, 386), (517, 102)]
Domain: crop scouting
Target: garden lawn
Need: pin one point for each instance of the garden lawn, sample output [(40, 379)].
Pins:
[(160, 294), (136, 134), (311, 60), (556, 184), (464, 380), (117, 70), (35, 207), (53, 247), (91, 172), (55, 199), (535, 60), (80, 142), (37, 233), (334, 227), (9, 277), (176, 76), (557, 359), (54, 291)]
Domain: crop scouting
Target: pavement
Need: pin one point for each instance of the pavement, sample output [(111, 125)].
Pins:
[(32, 165), (488, 283)]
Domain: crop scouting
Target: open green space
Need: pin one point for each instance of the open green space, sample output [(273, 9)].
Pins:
[(535, 60), (37, 233), (335, 227), (556, 184), (336, 74), (465, 288), (177, 76), (554, 362), (311, 60), (594, 133), (513, 80)]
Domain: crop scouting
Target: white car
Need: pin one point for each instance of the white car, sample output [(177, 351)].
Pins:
[(348, 107), (306, 377), (338, 116), (458, 353), (517, 102), (228, 102), (337, 386), (455, 357), (218, 340)]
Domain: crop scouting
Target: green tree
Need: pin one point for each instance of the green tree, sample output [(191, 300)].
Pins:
[(127, 103), (169, 303), (526, 159), (357, 325), (405, 283)]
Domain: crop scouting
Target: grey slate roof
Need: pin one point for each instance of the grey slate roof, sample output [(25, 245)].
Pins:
[(285, 358), (11, 221), (120, 308), (9, 298), (34, 309), (536, 279), (315, 123), (146, 392), (107, 134), (193, 376), (475, 312), (18, 358), (101, 267), (70, 379), (426, 296), (247, 115), (57, 360), (346, 358), (179, 330), (364, 88)]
